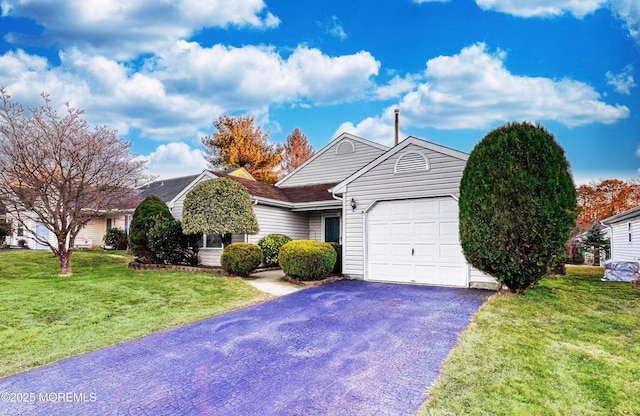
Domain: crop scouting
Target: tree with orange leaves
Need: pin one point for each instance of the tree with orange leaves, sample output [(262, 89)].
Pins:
[(297, 150), (597, 201), (238, 143)]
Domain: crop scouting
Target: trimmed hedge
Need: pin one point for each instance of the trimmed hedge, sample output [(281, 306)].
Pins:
[(307, 259), (241, 258), (271, 245)]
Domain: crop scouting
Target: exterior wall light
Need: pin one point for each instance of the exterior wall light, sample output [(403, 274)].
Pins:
[(353, 204)]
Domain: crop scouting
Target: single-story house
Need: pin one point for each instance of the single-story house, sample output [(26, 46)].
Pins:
[(625, 235), (394, 210)]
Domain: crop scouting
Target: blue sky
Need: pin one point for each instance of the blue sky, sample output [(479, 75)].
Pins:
[(161, 72)]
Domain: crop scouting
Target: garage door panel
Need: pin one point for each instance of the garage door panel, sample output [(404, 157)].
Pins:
[(416, 241), (381, 212), (379, 251), (399, 253), (423, 230), (379, 271), (448, 230), (451, 253), (426, 273), (448, 207), (425, 253), (402, 210), (453, 275), (426, 209), (401, 231)]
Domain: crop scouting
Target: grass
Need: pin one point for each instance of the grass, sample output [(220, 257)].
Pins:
[(45, 317), (569, 346)]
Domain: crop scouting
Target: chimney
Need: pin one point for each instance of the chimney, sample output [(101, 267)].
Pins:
[(397, 130)]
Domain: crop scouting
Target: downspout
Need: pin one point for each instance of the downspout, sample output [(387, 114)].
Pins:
[(343, 226)]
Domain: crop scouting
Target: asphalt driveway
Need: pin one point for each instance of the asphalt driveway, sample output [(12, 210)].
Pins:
[(348, 348)]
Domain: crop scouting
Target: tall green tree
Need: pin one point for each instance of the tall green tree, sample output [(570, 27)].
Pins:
[(595, 242), (219, 206), (239, 143), (517, 204)]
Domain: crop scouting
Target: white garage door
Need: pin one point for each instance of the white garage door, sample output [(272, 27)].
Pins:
[(416, 241)]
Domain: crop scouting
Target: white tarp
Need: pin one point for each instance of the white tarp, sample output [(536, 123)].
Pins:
[(621, 271)]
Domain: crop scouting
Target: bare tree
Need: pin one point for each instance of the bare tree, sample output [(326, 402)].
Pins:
[(297, 150), (59, 172)]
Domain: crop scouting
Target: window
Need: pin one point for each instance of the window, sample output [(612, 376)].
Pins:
[(20, 232), (630, 236), (127, 222), (211, 241), (411, 161), (332, 229), (109, 223)]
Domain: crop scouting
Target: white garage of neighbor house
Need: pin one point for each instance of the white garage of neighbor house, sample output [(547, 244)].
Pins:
[(625, 235)]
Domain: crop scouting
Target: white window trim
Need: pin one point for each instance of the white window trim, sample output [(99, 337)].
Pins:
[(322, 226), (204, 243)]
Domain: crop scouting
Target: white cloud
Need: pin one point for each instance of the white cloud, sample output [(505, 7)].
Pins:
[(379, 129), (474, 90), (542, 8), (622, 82), (251, 76), (629, 12), (397, 86), (122, 29), (174, 159), (335, 29), (168, 100), (430, 1)]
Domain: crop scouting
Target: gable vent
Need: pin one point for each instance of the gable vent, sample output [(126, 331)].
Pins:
[(345, 147), (411, 162)]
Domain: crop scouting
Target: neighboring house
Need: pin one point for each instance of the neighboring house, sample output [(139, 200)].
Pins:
[(394, 210), (625, 235)]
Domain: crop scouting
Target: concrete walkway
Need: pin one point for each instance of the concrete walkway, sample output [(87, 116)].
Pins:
[(273, 282), (345, 348)]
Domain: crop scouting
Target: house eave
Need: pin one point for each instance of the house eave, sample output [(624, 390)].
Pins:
[(317, 206)]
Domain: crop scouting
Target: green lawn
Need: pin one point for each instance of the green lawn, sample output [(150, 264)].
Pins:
[(570, 346), (44, 317)]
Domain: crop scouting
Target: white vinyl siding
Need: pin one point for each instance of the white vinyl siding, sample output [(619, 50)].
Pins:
[(331, 167), (621, 248), (380, 184), (281, 221), (315, 226), (92, 234)]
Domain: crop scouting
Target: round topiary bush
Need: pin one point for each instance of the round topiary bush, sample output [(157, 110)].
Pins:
[(241, 258), (270, 245), (517, 204), (307, 259)]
